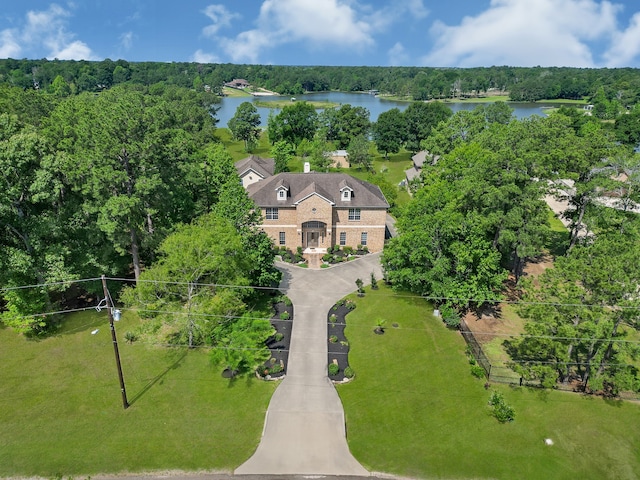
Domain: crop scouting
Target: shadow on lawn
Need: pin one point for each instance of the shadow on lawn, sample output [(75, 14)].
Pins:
[(159, 377)]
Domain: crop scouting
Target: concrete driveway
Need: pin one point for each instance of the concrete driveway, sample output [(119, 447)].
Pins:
[(304, 431)]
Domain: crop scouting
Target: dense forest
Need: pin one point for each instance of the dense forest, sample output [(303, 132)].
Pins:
[(418, 83)]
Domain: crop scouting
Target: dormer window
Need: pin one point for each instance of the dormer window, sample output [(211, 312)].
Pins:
[(282, 194), (345, 194)]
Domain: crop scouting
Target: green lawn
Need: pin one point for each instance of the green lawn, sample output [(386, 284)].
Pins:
[(415, 410), (61, 411), (236, 148)]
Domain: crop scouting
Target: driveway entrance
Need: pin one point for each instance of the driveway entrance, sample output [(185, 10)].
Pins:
[(304, 431)]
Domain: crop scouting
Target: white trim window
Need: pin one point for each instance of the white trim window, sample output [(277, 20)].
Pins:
[(346, 195), (363, 238), (354, 214), (343, 239), (282, 238), (282, 194), (271, 213)]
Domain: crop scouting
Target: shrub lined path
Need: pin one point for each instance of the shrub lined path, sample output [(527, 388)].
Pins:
[(304, 431)]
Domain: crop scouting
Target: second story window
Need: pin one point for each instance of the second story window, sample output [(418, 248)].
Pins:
[(282, 194), (354, 214), (271, 213)]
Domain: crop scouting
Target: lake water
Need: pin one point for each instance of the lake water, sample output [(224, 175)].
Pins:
[(375, 105)]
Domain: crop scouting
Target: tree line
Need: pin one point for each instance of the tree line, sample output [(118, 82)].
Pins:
[(478, 215), (131, 182), (418, 83)]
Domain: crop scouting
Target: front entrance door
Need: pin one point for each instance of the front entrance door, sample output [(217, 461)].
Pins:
[(312, 239), (313, 234)]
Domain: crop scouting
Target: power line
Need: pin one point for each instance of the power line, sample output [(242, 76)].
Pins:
[(290, 289), (48, 284)]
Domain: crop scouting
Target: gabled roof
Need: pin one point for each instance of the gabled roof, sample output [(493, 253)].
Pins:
[(312, 189), (411, 173), (420, 157), (326, 185), (262, 166)]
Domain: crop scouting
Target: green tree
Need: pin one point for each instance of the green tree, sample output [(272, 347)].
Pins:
[(245, 125), (293, 124), (578, 312), (348, 123), (359, 155), (126, 169), (389, 132), (282, 153), (420, 119)]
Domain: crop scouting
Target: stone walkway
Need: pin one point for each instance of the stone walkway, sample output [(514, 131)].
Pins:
[(304, 431)]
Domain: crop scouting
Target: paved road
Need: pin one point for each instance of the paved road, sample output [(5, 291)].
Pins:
[(304, 430)]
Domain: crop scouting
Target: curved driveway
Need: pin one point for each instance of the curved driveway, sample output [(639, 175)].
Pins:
[(304, 430)]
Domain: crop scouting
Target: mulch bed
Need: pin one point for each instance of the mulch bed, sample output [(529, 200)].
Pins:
[(338, 351), (279, 348)]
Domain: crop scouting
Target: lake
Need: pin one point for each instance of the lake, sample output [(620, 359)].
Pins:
[(375, 105)]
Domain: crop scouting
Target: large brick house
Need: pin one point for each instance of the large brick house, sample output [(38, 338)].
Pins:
[(319, 210)]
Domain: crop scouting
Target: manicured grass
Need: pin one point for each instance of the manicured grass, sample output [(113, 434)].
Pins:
[(482, 99), (558, 241), (415, 410), (61, 412), (287, 103), (234, 92), (236, 149), (565, 101)]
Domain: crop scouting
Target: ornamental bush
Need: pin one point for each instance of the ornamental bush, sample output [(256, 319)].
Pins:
[(503, 412), (333, 369), (349, 373)]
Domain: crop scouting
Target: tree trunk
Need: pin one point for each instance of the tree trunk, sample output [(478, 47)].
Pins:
[(575, 228), (135, 253)]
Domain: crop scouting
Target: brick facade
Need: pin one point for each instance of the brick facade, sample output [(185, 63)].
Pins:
[(313, 211)]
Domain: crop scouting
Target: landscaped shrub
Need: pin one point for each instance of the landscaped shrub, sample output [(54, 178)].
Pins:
[(503, 412), (348, 250), (477, 371), (284, 316), (350, 304), (349, 373), (333, 369), (333, 338), (287, 301), (278, 337), (450, 316), (333, 318), (130, 337), (374, 282), (277, 368), (327, 257), (299, 250)]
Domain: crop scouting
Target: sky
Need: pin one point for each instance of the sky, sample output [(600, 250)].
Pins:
[(437, 33)]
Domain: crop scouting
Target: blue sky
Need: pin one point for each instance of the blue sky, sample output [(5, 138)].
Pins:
[(460, 33)]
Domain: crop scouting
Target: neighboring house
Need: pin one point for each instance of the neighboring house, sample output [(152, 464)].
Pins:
[(237, 83), (254, 168), (319, 210), (419, 160), (339, 159)]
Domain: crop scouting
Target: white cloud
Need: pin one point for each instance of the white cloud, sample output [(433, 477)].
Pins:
[(9, 46), (339, 24), (220, 16), (203, 57), (397, 55), (47, 28), (75, 50), (126, 40), (525, 33), (625, 46)]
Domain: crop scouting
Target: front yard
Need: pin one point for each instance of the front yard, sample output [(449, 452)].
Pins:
[(414, 409)]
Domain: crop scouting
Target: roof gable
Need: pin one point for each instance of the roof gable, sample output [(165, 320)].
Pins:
[(328, 186), (264, 167)]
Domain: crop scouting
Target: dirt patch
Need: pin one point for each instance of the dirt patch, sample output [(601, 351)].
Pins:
[(502, 319)]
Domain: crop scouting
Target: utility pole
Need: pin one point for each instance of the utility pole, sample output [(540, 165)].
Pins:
[(125, 403)]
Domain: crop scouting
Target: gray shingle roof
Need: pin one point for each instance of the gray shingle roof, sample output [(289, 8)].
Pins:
[(327, 185), (263, 166), (420, 157)]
